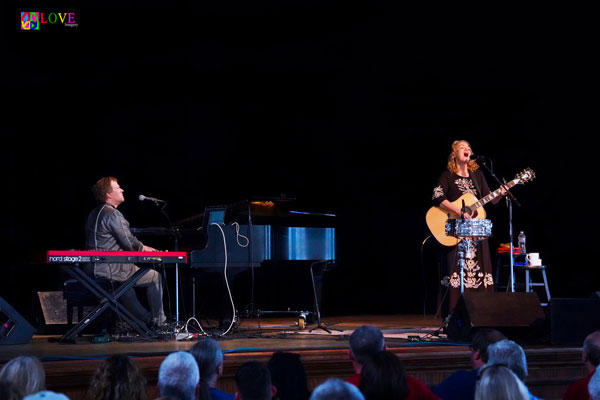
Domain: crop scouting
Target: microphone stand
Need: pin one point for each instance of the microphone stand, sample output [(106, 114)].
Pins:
[(509, 202), (176, 237)]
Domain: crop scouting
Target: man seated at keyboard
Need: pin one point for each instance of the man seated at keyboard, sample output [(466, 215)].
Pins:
[(108, 230)]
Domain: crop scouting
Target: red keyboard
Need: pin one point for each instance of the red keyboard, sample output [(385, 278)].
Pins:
[(92, 256)]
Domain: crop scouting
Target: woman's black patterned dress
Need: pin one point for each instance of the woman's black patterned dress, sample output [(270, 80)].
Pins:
[(478, 273)]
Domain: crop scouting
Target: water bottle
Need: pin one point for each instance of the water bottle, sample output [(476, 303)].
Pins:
[(522, 243)]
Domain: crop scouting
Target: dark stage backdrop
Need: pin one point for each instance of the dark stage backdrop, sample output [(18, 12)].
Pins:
[(349, 108)]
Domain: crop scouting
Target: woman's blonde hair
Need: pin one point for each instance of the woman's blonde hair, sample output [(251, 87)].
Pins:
[(471, 166), (497, 382)]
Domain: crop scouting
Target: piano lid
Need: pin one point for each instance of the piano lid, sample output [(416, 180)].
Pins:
[(278, 211)]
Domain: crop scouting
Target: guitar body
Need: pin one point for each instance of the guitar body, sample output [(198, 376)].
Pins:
[(436, 219)]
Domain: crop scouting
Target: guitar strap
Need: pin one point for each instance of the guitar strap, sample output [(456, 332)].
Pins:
[(476, 184)]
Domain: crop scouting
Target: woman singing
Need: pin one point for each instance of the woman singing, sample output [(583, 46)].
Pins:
[(464, 176)]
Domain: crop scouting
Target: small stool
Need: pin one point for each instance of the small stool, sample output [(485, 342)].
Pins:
[(78, 296), (529, 283)]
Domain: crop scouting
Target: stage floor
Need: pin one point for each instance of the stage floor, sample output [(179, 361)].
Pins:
[(251, 335)]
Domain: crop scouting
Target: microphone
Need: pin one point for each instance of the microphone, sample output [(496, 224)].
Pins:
[(476, 157), (142, 198)]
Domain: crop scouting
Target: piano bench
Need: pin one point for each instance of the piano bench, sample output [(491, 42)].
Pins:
[(79, 296)]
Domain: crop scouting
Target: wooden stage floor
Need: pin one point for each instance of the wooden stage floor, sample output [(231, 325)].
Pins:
[(252, 335), (427, 357)]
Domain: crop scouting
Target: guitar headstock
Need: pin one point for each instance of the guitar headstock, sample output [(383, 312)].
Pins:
[(525, 176)]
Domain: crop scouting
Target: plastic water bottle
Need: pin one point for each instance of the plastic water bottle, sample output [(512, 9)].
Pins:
[(522, 243)]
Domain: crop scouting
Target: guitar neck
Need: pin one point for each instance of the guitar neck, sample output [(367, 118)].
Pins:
[(486, 199)]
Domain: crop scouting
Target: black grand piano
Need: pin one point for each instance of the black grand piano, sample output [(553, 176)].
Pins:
[(291, 249)]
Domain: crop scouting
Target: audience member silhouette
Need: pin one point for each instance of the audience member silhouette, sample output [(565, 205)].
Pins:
[(461, 384), (336, 389), (117, 378), (590, 355), (288, 376), (253, 382), (383, 377), (497, 382), (26, 373), (365, 341), (511, 355), (178, 376), (209, 357)]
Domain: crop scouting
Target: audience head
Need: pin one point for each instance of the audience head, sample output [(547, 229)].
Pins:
[(497, 382), (479, 345), (26, 373), (209, 357), (510, 354), (336, 389), (591, 350), (288, 376), (253, 382), (594, 386), (365, 341), (118, 378), (383, 377), (178, 376), (8, 391)]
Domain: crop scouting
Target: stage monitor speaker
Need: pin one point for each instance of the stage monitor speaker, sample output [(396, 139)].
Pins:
[(516, 315), (14, 329), (571, 320)]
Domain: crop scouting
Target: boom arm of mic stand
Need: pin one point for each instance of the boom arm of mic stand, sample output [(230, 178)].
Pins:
[(512, 196)]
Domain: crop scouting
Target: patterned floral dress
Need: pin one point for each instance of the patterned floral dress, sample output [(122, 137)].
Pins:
[(478, 273)]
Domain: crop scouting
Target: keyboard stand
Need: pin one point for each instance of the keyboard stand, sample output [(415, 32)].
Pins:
[(106, 300)]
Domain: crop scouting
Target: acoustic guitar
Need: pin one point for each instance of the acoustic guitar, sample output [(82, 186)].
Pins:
[(436, 217)]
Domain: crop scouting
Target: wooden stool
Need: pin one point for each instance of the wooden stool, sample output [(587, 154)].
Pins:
[(530, 283)]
